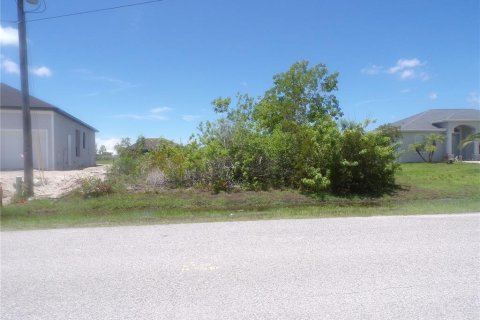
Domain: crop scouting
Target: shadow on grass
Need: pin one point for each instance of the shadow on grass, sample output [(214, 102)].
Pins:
[(350, 195)]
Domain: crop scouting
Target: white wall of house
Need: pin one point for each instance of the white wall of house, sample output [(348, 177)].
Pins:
[(410, 137), (74, 144), (11, 144), (50, 135)]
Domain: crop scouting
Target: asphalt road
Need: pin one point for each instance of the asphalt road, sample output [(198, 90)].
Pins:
[(416, 267)]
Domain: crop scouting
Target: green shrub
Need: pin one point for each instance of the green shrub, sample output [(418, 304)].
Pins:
[(316, 182), (125, 165), (171, 160), (366, 163)]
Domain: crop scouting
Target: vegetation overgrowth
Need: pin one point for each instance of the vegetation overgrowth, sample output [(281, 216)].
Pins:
[(291, 137), (423, 188)]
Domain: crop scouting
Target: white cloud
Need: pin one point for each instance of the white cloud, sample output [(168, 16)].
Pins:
[(155, 117), (372, 70), (405, 91), (190, 118), (405, 64), (153, 114), (433, 96), (160, 110), (409, 69), (404, 69), (108, 143), (474, 99), (9, 66), (41, 71), (407, 74), (8, 36)]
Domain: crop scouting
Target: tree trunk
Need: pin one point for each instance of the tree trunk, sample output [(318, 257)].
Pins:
[(421, 156)]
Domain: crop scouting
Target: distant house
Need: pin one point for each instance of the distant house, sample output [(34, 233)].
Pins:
[(454, 124), (149, 144), (60, 141)]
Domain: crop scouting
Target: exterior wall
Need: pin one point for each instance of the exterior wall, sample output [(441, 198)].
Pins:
[(50, 132), (66, 156), (407, 155), (11, 125)]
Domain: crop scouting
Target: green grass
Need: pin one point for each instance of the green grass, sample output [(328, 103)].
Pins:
[(424, 188), (104, 161), (440, 180)]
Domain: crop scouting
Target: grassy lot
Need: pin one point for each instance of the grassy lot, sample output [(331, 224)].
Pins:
[(104, 161), (423, 188)]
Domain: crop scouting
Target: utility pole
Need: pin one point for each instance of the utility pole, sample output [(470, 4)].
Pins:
[(27, 121)]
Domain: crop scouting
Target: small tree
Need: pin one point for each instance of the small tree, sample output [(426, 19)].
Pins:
[(390, 131), (102, 150), (428, 146)]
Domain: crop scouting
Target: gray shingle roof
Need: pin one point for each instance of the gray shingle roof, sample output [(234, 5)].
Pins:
[(11, 98), (427, 120)]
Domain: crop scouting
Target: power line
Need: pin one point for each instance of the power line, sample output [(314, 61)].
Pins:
[(88, 11)]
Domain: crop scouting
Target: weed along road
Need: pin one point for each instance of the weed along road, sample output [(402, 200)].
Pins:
[(415, 267)]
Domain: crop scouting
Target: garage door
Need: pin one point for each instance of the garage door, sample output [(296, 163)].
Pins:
[(11, 149)]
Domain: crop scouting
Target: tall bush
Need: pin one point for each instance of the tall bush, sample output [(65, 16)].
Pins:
[(366, 163)]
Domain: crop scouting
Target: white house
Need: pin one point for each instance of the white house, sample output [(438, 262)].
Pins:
[(60, 141), (454, 124)]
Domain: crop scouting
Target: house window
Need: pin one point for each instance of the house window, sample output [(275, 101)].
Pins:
[(84, 140), (77, 143)]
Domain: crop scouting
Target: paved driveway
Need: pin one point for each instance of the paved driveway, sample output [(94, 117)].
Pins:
[(418, 267)]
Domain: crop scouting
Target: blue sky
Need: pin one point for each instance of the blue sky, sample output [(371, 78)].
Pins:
[(153, 70)]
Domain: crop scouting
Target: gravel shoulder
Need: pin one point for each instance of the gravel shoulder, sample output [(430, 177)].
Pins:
[(50, 184)]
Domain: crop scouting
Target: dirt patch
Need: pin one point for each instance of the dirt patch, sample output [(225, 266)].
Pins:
[(50, 184)]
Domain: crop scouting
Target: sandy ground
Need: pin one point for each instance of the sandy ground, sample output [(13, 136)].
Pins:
[(49, 184)]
